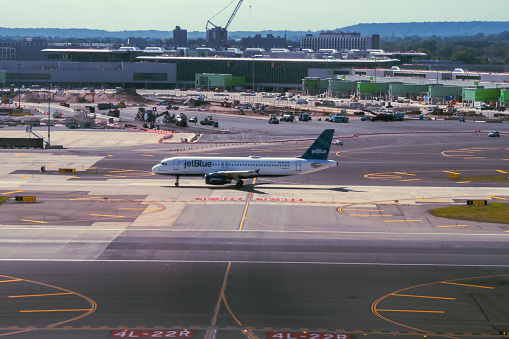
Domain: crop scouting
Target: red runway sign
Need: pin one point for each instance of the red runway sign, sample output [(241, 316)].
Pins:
[(152, 334), (293, 335), (218, 199)]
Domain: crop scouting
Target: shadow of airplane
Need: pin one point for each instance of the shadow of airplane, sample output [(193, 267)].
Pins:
[(250, 188)]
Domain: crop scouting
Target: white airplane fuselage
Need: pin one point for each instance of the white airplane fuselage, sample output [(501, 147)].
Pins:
[(222, 170), (263, 166)]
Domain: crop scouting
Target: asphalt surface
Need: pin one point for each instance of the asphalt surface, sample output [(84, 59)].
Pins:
[(348, 250)]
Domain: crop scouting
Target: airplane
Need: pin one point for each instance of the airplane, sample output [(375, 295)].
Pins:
[(222, 170)]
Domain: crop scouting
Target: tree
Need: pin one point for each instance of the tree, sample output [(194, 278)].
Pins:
[(466, 57)]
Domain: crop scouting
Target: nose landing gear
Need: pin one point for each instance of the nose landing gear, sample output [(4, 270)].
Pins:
[(239, 183)]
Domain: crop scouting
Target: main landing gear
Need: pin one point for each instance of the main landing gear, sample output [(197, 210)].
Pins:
[(239, 183), (177, 182)]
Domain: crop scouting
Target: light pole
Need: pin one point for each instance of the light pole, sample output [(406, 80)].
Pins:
[(49, 117), (19, 84), (253, 75), (436, 66)]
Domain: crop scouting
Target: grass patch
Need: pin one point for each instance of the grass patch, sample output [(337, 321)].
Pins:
[(494, 212), (486, 178), (2, 199)]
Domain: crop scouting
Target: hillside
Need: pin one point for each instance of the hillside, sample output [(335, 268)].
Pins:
[(386, 31), (426, 29)]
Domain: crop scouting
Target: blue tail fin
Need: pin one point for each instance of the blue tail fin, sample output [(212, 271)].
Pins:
[(319, 150)]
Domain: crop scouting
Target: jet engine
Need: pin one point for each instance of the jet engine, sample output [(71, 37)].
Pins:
[(217, 179)]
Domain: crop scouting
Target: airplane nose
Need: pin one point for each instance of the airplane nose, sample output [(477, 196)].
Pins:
[(155, 169)]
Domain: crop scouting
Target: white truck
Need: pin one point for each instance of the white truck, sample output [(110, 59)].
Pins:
[(479, 104)]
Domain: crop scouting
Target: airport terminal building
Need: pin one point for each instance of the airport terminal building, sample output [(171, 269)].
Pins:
[(74, 68), (153, 69)]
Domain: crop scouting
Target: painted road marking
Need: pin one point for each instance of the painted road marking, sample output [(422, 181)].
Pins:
[(12, 192), (372, 215), (502, 171), (106, 215), (462, 182), (28, 220), (450, 172), (38, 295), (248, 200), (421, 296), (138, 208), (453, 226), (218, 199), (88, 198), (280, 199), (451, 283), (404, 173), (400, 220), (489, 196), (431, 200), (69, 310), (10, 280), (412, 311)]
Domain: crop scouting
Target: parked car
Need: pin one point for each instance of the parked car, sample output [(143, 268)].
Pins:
[(494, 134), (338, 142), (193, 119)]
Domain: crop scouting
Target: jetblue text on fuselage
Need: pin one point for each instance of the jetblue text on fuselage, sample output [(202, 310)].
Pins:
[(197, 163), (318, 151)]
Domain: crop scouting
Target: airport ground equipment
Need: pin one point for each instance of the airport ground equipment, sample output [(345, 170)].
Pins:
[(288, 117), (304, 117), (338, 118), (181, 120)]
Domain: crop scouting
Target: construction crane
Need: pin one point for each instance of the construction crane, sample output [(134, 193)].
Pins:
[(217, 35)]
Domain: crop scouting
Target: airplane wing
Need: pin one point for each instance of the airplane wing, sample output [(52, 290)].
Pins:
[(237, 174)]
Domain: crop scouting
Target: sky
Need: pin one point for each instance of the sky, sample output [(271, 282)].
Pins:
[(253, 15)]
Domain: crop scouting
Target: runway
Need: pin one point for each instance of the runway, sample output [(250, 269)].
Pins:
[(112, 250)]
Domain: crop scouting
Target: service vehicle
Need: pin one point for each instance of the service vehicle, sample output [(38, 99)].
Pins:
[(338, 142), (208, 120), (304, 117), (494, 134), (243, 106), (288, 117), (181, 120), (273, 119), (193, 119), (338, 118)]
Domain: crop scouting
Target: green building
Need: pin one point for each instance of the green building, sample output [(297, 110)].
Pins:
[(504, 95), (407, 90), (314, 85), (2, 77), (220, 81), (342, 88), (481, 94), (366, 89)]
